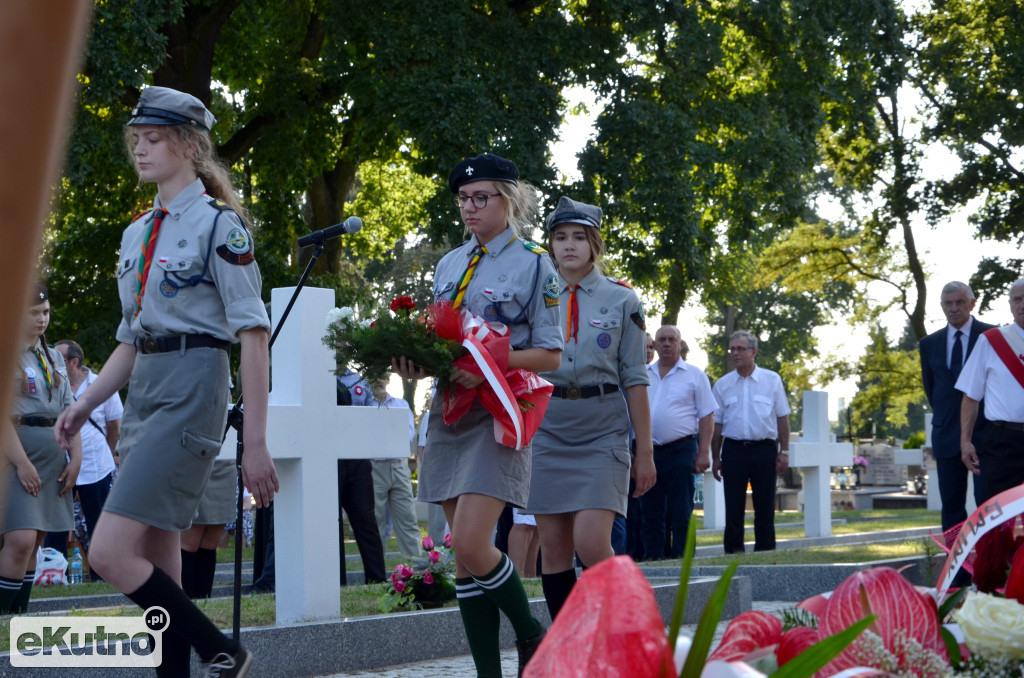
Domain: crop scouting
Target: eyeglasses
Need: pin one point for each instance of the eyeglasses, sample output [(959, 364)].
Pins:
[(479, 200), (738, 349)]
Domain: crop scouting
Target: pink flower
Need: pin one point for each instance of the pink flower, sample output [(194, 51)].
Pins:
[(394, 578), (400, 587), (405, 571), (448, 540), (428, 579), (434, 557), (428, 543)]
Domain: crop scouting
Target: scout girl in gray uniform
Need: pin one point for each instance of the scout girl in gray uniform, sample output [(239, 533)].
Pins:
[(581, 462), (199, 543), (501, 277), (39, 476), (189, 288)]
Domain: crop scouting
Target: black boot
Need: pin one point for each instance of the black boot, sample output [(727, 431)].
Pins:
[(526, 649)]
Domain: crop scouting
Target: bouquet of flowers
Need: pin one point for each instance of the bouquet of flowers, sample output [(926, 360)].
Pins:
[(368, 346), (860, 463), (427, 584)]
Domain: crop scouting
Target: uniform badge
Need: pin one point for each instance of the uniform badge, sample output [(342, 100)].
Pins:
[(638, 318), (233, 258), (604, 309), (238, 241), (168, 289), (551, 291), (604, 340), (503, 277), (358, 390), (182, 243), (491, 313)]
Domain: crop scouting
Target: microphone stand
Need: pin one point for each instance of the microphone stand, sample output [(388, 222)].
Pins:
[(236, 420)]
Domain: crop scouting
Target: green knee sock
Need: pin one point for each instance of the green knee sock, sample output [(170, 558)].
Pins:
[(9, 589), (20, 604), (482, 622), (503, 587)]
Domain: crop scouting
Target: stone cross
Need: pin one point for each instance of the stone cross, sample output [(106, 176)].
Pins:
[(814, 453), (307, 433)]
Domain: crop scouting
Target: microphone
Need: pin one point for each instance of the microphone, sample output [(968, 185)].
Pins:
[(350, 225)]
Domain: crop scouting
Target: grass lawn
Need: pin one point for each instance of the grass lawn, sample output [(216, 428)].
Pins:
[(360, 601)]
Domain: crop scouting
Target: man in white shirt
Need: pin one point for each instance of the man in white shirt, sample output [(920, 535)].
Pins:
[(392, 483), (995, 372), (751, 443), (682, 422)]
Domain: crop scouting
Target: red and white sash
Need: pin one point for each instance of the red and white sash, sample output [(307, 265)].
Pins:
[(1009, 346)]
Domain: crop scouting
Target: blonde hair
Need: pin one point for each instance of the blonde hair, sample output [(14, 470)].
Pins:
[(595, 241), (197, 146), (523, 201)]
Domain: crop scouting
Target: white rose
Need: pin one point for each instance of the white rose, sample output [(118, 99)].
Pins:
[(336, 314), (365, 323), (993, 627)]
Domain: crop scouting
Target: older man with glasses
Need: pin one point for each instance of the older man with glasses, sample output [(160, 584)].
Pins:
[(751, 442)]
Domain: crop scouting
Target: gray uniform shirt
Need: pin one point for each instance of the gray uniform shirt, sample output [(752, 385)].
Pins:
[(609, 347), (31, 398), (514, 283), (203, 278)]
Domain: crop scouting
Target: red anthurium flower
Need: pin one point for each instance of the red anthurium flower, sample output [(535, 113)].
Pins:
[(1015, 582), (907, 620), (747, 632), (993, 554), (795, 641)]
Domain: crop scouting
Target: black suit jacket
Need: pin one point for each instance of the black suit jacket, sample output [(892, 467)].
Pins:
[(943, 398)]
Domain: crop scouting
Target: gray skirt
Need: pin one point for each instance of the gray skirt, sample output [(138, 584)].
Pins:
[(581, 456), (171, 433), (217, 507), (49, 512), (464, 458)]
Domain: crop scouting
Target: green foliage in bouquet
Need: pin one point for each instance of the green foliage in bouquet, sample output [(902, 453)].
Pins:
[(368, 346)]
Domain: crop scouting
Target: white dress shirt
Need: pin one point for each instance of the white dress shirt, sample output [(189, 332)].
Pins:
[(678, 402), (986, 377), (749, 407), (97, 458)]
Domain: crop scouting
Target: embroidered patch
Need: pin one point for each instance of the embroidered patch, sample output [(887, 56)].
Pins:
[(182, 243), (638, 318), (358, 390), (534, 247), (604, 340), (238, 241), (167, 289), (491, 312), (232, 258), (551, 291)]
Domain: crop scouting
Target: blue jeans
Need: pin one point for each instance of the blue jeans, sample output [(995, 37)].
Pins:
[(670, 501)]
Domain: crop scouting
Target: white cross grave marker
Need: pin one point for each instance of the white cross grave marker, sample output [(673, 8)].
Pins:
[(814, 453), (307, 433), (714, 503)]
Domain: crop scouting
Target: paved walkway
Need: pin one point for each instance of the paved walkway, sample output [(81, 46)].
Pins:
[(462, 667)]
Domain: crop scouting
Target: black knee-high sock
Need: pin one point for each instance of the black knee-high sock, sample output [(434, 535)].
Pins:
[(188, 573), (20, 603), (206, 568), (185, 618), (177, 656), (9, 589), (557, 588)]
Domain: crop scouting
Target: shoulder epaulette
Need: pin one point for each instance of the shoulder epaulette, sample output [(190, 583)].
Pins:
[(619, 281), (218, 204), (534, 247)]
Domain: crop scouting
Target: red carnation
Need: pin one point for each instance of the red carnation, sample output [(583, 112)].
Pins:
[(402, 304)]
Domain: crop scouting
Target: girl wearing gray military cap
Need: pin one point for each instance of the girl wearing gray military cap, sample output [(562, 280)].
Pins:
[(39, 476), (581, 460), (502, 277), (189, 288)]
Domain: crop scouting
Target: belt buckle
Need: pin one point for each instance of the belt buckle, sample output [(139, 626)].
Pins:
[(573, 393), (150, 345)]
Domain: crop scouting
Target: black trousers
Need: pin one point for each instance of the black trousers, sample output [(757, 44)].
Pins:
[(749, 462), (355, 497), (1002, 459)]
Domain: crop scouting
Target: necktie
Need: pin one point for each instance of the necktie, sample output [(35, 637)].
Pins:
[(956, 362), (146, 258), (467, 275), (572, 318), (44, 367)]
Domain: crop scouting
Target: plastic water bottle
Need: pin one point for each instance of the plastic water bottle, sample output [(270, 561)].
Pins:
[(76, 568)]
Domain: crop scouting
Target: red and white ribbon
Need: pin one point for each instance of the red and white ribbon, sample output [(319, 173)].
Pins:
[(476, 330), (1004, 506)]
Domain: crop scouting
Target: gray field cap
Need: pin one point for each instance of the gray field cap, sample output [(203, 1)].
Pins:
[(570, 211), (166, 106)]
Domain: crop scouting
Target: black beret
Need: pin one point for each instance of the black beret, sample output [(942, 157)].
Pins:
[(166, 106), (570, 211), (486, 167)]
